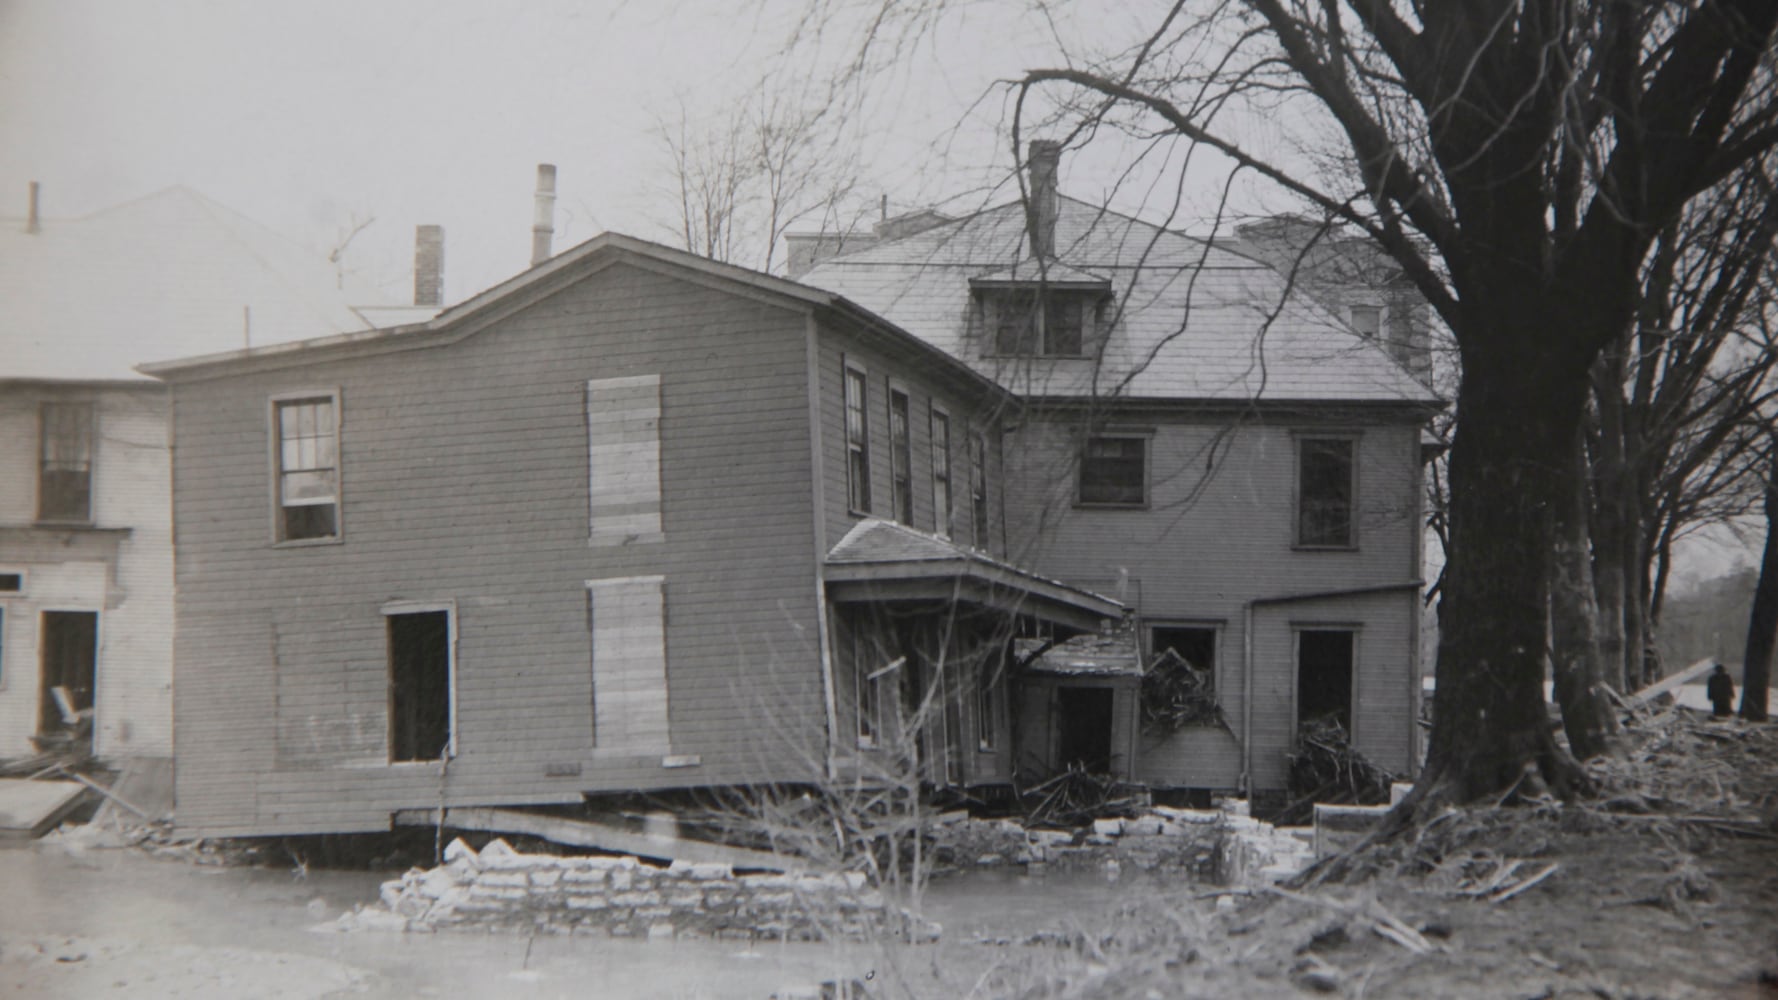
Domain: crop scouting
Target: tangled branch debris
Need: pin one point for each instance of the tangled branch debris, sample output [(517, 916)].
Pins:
[(1176, 694), (1077, 797), (1326, 767)]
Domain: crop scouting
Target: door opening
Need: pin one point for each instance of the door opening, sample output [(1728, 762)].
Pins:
[(70, 651), (419, 686), (1083, 723), (1324, 676)]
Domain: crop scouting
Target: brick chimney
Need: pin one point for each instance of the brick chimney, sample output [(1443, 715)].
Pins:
[(543, 228), (32, 224), (1042, 158), (429, 265)]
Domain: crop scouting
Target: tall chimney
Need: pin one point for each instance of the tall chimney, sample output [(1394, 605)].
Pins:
[(429, 265), (543, 230), (1041, 160), (31, 223)]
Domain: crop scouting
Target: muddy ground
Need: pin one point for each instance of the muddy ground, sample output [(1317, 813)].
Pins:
[(1666, 886)]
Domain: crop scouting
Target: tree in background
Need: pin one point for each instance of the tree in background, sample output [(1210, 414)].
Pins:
[(1762, 623)]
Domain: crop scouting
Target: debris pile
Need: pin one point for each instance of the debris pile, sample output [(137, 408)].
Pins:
[(500, 888), (1326, 767), (1076, 797), (1176, 694)]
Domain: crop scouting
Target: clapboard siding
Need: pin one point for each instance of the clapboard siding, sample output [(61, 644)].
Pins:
[(1217, 534), (464, 478), (970, 414)]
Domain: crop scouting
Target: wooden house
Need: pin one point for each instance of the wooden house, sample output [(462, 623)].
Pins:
[(1236, 459), (631, 520)]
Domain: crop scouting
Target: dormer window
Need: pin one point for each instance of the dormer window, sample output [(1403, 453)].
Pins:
[(1047, 311), (1021, 322)]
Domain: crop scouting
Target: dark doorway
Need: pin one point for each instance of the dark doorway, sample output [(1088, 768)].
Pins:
[(1324, 676), (70, 652), (419, 685), (1083, 728)]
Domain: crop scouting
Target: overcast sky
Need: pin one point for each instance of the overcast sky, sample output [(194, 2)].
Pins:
[(308, 116)]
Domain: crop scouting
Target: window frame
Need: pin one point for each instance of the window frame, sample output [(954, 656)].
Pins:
[(275, 458), (858, 493), (901, 453), (448, 608), (1352, 441), (1369, 331), (942, 469), (1145, 437), (1355, 632), (89, 447), (980, 513), (1034, 336), (867, 696), (1213, 626)]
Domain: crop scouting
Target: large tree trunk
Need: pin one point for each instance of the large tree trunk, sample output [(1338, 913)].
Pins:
[(1611, 520), (1577, 657), (1491, 731), (1762, 624)]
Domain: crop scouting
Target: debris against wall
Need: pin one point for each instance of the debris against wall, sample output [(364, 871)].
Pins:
[(499, 888)]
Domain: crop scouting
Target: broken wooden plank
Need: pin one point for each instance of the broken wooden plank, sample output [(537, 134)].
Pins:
[(30, 809), (1672, 682), (601, 836)]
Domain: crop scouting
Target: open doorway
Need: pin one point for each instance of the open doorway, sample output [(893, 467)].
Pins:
[(1324, 676), (419, 686), (69, 645), (1083, 728)]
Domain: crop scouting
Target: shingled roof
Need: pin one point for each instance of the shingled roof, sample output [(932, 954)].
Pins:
[(1193, 320)]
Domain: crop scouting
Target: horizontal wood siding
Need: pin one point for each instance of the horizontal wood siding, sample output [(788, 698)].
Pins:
[(465, 478), (1218, 533), (969, 416)]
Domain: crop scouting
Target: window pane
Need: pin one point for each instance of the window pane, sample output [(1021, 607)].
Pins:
[(65, 464), (1062, 332), (1112, 471), (1325, 492)]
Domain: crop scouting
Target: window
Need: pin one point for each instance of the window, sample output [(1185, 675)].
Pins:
[(65, 467), (308, 468), (978, 489), (1324, 492), (987, 728), (1368, 320), (857, 443), (421, 684), (1022, 322), (1195, 645), (1324, 662), (11, 583), (1114, 471), (901, 486), (866, 694), (623, 422), (628, 620), (941, 473)]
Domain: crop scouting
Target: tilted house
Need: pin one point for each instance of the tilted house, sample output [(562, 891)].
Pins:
[(86, 547), (630, 520), (1238, 463)]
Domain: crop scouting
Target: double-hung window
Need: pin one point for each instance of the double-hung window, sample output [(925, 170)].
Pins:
[(941, 473), (1326, 488), (65, 463), (306, 430), (978, 489), (1114, 471), (1024, 322), (901, 458), (857, 443)]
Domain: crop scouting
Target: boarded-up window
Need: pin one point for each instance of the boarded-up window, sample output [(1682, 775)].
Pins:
[(941, 473), (901, 458), (623, 417), (420, 685), (1324, 492), (629, 637), (857, 444), (65, 469), (308, 468)]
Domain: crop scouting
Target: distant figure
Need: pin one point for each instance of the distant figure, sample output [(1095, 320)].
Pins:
[(1721, 690)]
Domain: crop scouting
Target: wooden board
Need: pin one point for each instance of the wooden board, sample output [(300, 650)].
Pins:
[(30, 809), (602, 836)]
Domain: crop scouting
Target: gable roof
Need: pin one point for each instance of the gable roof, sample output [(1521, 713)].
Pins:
[(1194, 320), (481, 310), (172, 273)]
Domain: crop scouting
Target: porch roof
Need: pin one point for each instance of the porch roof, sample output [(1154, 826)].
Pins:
[(883, 561)]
